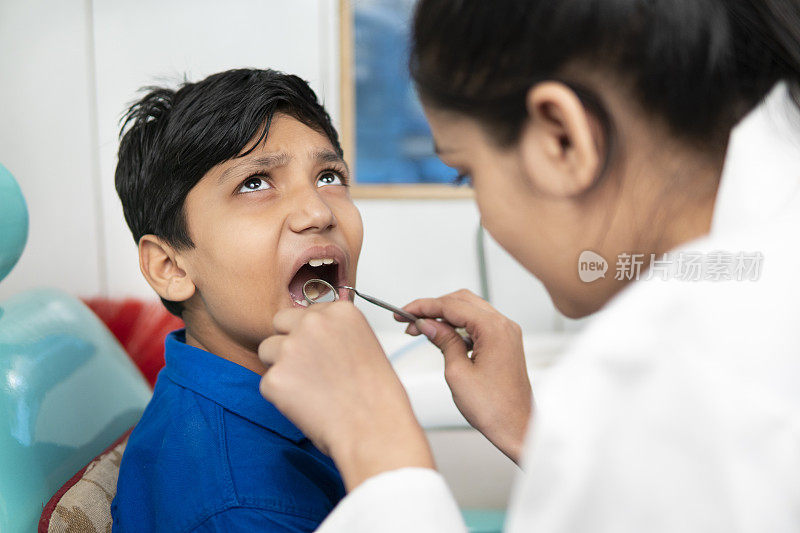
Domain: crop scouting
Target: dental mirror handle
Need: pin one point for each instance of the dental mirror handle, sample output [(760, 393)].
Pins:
[(387, 306), (408, 316)]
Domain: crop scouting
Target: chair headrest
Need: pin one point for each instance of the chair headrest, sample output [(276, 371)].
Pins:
[(13, 222)]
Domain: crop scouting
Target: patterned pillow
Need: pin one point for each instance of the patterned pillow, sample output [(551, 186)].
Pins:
[(84, 502)]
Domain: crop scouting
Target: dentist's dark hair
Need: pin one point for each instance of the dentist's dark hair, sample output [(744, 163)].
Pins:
[(170, 138), (701, 65)]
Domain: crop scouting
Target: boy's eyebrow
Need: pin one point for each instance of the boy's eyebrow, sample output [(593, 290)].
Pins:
[(326, 155), (279, 159)]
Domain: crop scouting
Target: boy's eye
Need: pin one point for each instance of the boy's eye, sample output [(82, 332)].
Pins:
[(329, 178), (254, 183)]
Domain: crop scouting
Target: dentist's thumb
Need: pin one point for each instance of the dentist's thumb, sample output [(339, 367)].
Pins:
[(448, 341)]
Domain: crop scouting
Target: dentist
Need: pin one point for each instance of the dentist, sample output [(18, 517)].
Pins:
[(602, 126)]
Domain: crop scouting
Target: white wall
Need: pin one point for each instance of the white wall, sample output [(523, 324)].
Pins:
[(76, 66), (46, 141), (414, 249)]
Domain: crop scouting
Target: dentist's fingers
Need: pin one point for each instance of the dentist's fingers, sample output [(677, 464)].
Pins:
[(286, 320), (329, 375), (400, 318), (456, 308), (452, 346), (491, 388), (412, 330), (270, 349)]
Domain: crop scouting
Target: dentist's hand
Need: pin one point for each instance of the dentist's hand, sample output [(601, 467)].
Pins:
[(328, 374), (492, 389)]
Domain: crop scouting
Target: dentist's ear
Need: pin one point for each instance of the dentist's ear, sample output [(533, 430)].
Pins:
[(558, 145), (160, 266)]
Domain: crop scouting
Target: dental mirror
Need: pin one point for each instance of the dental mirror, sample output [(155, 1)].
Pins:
[(317, 291)]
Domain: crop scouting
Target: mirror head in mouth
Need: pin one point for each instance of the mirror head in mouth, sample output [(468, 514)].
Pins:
[(325, 269), (318, 291)]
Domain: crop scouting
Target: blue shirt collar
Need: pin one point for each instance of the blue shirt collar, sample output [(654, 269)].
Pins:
[(232, 386)]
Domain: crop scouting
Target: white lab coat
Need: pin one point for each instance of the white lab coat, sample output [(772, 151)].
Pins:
[(678, 408)]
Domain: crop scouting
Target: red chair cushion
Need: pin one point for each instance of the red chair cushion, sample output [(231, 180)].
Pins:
[(140, 326)]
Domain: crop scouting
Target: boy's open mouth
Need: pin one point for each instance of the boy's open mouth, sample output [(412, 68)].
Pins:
[(325, 268)]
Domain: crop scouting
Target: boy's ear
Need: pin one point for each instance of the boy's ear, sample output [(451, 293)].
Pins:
[(159, 265), (557, 143)]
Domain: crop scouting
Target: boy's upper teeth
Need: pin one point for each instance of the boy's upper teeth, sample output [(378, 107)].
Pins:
[(320, 262)]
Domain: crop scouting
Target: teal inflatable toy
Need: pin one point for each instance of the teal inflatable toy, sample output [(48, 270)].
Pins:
[(67, 387), (13, 222)]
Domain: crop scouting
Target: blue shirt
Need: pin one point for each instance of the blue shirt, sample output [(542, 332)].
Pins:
[(211, 454)]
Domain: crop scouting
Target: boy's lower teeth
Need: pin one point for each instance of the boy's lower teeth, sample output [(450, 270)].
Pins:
[(301, 302)]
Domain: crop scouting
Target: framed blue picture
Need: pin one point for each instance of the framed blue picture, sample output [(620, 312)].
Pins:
[(392, 143)]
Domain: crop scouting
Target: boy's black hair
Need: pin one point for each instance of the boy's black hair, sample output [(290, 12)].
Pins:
[(170, 138)]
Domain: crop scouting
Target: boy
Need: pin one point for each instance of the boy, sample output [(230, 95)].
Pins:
[(236, 193)]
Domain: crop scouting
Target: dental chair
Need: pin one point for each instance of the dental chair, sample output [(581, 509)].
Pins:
[(68, 390)]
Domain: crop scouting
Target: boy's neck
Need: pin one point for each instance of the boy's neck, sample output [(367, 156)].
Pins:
[(213, 340)]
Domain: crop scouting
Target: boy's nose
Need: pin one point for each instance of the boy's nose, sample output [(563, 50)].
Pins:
[(310, 212)]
